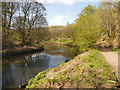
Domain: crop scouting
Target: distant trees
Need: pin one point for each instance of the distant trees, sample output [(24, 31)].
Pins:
[(68, 30), (56, 32), (93, 25), (25, 17), (27, 23), (61, 33)]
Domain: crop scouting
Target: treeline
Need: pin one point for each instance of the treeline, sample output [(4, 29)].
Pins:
[(94, 27), (61, 33), (97, 24), (23, 23)]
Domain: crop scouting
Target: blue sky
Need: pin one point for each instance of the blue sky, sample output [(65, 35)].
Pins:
[(61, 12)]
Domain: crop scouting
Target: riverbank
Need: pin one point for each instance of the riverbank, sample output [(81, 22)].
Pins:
[(24, 67), (67, 42), (21, 50), (87, 70)]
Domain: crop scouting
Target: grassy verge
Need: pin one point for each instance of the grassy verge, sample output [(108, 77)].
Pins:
[(87, 70)]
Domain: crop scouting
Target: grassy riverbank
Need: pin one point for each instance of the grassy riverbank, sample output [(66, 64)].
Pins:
[(87, 70), (67, 42)]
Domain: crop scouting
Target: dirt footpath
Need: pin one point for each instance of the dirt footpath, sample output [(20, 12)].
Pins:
[(113, 59)]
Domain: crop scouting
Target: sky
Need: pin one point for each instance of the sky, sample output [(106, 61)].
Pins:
[(60, 12)]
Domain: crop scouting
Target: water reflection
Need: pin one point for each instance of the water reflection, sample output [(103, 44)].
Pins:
[(18, 70), (62, 50)]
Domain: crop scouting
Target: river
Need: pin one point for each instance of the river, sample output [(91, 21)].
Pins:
[(17, 70)]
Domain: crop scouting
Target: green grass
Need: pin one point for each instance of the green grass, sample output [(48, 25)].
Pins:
[(90, 71), (62, 41), (67, 41), (97, 62)]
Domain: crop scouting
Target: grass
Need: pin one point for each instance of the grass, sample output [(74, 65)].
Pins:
[(67, 41), (89, 70)]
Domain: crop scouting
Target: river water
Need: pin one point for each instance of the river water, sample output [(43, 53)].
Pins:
[(17, 70)]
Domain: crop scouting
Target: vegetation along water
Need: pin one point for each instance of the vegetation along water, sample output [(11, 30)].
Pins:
[(38, 53)]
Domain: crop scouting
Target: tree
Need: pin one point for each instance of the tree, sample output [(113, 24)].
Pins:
[(31, 16), (8, 11), (107, 17), (86, 30)]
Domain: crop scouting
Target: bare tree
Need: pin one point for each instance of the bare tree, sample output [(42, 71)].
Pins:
[(109, 16), (8, 10), (31, 16)]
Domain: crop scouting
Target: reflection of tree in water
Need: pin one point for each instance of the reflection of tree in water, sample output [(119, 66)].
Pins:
[(23, 68), (68, 52), (37, 60), (20, 72)]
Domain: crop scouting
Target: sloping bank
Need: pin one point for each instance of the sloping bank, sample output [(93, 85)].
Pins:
[(87, 70), (21, 50)]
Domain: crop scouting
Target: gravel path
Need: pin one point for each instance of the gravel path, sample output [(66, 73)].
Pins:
[(113, 59)]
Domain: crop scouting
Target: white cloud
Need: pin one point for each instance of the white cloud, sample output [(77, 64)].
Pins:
[(72, 2), (56, 20), (67, 2)]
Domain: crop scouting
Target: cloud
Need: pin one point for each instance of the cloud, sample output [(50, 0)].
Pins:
[(67, 2), (71, 2), (56, 20)]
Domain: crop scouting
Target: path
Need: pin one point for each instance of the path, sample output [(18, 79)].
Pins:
[(112, 58)]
